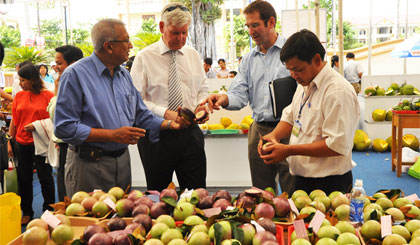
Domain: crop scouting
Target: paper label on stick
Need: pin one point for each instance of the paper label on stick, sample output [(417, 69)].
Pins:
[(110, 203), (293, 206), (386, 226), (50, 219), (211, 211), (412, 197), (316, 221), (300, 229), (154, 198)]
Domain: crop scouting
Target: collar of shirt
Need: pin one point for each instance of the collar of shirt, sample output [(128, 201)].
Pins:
[(100, 67), (279, 44), (165, 49)]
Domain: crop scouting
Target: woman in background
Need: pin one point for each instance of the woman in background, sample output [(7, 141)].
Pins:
[(30, 105), (43, 70), (65, 56)]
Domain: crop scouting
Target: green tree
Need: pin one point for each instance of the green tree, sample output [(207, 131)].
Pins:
[(350, 40), (240, 35), (51, 31), (149, 26), (86, 47), (144, 39), (9, 37), (19, 54)]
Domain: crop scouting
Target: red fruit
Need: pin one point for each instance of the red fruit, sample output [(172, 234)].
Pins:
[(264, 236), (245, 202), (222, 194), (140, 209), (133, 226), (143, 200), (116, 223), (158, 209), (200, 115), (222, 203), (281, 206), (264, 210), (91, 230), (122, 239), (144, 220), (168, 193), (268, 225), (263, 150), (100, 238), (205, 202)]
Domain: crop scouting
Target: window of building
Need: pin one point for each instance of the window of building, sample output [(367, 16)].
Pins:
[(383, 30), (362, 32)]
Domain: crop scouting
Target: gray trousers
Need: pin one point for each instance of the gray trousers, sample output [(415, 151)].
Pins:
[(266, 175), (107, 172)]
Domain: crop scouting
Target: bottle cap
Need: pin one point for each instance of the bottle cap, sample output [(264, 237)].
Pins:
[(358, 182)]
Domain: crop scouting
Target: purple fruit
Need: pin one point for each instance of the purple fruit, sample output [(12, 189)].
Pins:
[(200, 193), (222, 204), (143, 200), (116, 223), (140, 209), (200, 115), (187, 114), (144, 220), (263, 150), (122, 239), (224, 194), (268, 225), (245, 202), (91, 230), (124, 207), (264, 210), (158, 209), (100, 239), (168, 193), (134, 194), (263, 236), (133, 226), (281, 206), (205, 202)]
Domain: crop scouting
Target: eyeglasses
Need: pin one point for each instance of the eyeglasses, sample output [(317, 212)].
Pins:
[(253, 26), (171, 8), (120, 41)]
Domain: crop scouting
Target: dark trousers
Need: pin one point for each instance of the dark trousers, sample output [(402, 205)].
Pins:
[(328, 184), (180, 151), (61, 187), (26, 161)]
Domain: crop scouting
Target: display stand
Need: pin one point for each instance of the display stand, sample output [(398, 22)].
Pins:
[(399, 122)]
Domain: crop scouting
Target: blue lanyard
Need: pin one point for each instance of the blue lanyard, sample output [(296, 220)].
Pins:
[(303, 104)]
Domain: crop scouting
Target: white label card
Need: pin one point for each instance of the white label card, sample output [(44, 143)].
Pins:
[(211, 211), (293, 207), (186, 194), (386, 226), (316, 221), (300, 229), (110, 203), (50, 219), (258, 227), (412, 197)]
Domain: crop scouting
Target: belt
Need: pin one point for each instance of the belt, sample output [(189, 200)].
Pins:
[(268, 124), (103, 152)]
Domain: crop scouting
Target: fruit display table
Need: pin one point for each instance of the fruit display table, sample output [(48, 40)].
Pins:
[(399, 122)]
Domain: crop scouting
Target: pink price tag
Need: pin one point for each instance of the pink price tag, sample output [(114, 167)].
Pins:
[(110, 203), (300, 229), (50, 219), (412, 197), (211, 211), (386, 226), (293, 207), (316, 221)]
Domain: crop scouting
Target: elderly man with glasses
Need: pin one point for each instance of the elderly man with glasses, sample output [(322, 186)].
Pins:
[(169, 75), (99, 113)]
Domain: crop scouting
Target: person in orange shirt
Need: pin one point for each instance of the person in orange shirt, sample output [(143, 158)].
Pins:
[(30, 105)]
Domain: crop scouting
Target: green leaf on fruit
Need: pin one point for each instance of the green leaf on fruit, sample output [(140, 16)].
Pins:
[(392, 194), (194, 200), (237, 232), (77, 242), (169, 200), (218, 233), (133, 239)]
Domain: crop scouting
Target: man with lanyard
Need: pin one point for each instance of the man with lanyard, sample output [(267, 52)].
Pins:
[(250, 85), (99, 112), (320, 121)]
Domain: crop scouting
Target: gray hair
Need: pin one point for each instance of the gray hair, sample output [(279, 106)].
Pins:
[(176, 17), (104, 31)]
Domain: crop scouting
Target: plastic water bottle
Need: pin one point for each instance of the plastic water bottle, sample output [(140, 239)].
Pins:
[(357, 201)]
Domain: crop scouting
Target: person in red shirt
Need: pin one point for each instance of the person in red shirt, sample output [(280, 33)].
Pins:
[(28, 106)]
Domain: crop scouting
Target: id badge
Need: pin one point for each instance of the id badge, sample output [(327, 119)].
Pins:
[(296, 128)]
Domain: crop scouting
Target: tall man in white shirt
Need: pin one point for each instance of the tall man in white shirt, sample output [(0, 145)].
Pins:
[(182, 151), (353, 72), (320, 121)]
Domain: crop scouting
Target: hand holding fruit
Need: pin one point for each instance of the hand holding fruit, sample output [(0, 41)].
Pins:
[(265, 141), (274, 152), (201, 114), (216, 100)]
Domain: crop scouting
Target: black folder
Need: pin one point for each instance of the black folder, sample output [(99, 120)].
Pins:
[(281, 93)]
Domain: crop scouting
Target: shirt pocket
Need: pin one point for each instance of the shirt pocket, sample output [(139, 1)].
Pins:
[(312, 122)]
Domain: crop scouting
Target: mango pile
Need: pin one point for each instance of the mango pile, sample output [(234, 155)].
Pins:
[(394, 89)]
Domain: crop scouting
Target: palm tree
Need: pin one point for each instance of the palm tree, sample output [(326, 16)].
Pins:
[(144, 39), (86, 47), (19, 54)]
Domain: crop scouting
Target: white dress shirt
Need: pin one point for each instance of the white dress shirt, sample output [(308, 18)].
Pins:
[(352, 70), (331, 112), (150, 76)]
